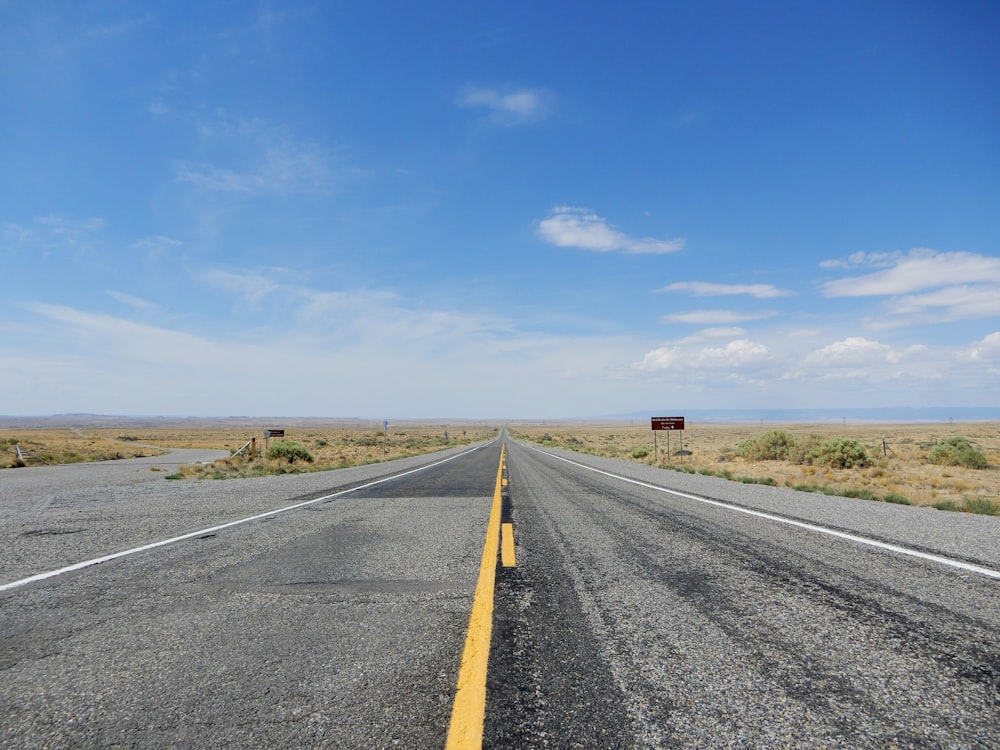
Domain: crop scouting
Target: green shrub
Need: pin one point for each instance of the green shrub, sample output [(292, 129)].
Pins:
[(840, 453), (776, 445), (957, 451), (981, 505), (757, 480), (861, 494), (895, 497), (640, 452), (290, 451)]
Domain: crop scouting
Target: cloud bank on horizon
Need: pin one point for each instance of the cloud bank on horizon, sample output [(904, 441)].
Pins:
[(300, 210)]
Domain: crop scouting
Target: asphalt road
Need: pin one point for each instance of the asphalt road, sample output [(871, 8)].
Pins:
[(639, 618), (337, 624), (634, 617)]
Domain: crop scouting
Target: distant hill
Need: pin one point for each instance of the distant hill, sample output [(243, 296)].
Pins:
[(719, 416), (882, 414)]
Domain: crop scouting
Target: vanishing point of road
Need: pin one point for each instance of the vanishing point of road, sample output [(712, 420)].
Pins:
[(499, 595)]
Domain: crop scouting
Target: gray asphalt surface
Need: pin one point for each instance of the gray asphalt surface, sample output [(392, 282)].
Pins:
[(634, 618), (339, 624), (641, 619)]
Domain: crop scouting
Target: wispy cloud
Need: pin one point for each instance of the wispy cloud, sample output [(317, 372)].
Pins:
[(507, 106), (348, 365), (707, 289), (131, 300), (250, 156), (250, 287), (277, 171), (858, 260), (52, 233), (568, 226), (920, 269), (716, 317), (156, 246), (955, 286), (951, 303), (722, 332), (137, 342)]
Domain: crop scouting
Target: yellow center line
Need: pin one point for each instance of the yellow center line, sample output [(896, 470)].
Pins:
[(507, 558), (468, 712)]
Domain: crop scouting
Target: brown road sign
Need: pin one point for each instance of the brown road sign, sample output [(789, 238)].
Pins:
[(668, 423)]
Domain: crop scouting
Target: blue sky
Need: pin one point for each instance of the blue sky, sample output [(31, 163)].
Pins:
[(522, 209)]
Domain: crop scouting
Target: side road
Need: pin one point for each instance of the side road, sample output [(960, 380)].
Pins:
[(104, 473), (52, 516)]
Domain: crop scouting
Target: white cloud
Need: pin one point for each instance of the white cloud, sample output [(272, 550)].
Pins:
[(857, 351), (854, 350), (986, 350), (507, 106), (921, 269), (716, 317), (706, 289), (568, 226), (371, 353), (734, 355)]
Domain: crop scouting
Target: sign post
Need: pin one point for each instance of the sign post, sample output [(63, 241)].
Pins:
[(669, 424), (268, 434)]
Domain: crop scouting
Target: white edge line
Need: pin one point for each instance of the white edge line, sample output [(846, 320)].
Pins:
[(800, 524), (213, 529)]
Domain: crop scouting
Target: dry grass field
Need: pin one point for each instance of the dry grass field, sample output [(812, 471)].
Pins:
[(901, 471), (898, 471), (66, 446), (331, 445)]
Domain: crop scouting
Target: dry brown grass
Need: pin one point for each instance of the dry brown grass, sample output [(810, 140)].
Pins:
[(331, 445), (901, 471), (58, 446)]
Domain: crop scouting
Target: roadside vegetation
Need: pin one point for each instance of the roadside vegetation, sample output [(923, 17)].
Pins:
[(65, 447), (316, 447), (312, 450), (957, 451), (930, 465)]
